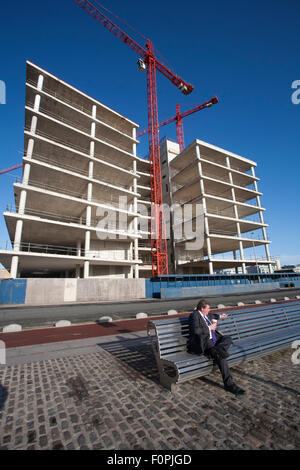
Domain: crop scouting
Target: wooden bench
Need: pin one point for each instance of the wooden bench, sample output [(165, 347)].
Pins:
[(255, 332)]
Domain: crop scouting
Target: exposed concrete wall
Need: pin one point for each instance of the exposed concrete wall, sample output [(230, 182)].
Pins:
[(46, 291), (60, 291), (110, 289)]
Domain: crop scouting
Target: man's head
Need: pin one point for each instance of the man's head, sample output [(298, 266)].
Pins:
[(203, 306)]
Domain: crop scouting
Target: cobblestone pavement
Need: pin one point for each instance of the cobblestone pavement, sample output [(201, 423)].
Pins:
[(110, 398)]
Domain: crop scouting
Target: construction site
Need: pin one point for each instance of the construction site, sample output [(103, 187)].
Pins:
[(90, 206), (132, 280)]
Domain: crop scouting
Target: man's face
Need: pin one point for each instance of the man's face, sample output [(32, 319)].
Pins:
[(206, 310)]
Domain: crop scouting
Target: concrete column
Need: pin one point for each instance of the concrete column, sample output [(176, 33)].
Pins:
[(78, 248), (87, 242), (40, 82), (88, 215), (91, 169), (92, 149), (258, 201), (30, 148), (26, 173), (89, 191), (134, 144), (93, 129), (242, 256), (18, 235), (22, 201), (86, 270), (37, 102), (94, 111), (136, 271), (14, 267), (33, 124)]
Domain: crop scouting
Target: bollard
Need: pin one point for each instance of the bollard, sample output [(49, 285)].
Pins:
[(141, 315), (172, 312), (104, 319), (62, 323), (12, 328)]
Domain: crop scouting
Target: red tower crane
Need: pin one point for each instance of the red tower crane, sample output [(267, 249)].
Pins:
[(11, 168), (178, 119), (149, 62)]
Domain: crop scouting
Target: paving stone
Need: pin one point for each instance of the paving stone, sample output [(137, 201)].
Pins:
[(103, 400)]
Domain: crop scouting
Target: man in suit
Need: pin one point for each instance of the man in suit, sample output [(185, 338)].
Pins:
[(205, 339)]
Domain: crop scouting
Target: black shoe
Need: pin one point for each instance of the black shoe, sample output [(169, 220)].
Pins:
[(235, 390)]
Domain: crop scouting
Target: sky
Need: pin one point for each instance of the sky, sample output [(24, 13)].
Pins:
[(246, 53)]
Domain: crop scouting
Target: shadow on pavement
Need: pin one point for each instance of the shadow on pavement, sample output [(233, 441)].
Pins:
[(3, 396), (135, 353)]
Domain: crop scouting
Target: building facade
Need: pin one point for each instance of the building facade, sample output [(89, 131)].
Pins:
[(75, 211), (83, 204), (217, 218)]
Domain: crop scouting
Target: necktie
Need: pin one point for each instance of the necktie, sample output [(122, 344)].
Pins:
[(213, 334)]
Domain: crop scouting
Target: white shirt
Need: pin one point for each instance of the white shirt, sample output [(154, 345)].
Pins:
[(205, 316)]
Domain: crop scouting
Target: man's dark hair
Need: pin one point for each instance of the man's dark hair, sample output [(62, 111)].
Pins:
[(202, 304)]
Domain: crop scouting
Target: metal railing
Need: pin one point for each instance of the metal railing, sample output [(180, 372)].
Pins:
[(60, 250), (76, 106)]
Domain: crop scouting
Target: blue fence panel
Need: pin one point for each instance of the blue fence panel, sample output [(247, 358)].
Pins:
[(12, 291)]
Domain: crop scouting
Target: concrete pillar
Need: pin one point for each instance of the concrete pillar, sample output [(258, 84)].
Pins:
[(94, 111), (136, 271), (89, 191), (267, 252), (134, 144), (40, 82), (87, 242), (92, 149), (86, 270), (91, 169), (88, 215), (14, 267), (30, 148), (93, 129), (78, 248), (22, 201), (18, 235), (37, 102), (33, 124), (26, 173)]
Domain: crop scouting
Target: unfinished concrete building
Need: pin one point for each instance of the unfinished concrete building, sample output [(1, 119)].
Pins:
[(79, 162), (217, 218), (83, 205)]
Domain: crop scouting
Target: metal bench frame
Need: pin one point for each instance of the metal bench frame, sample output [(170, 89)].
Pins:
[(255, 332)]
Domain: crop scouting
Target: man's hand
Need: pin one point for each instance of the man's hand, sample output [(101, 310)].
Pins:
[(223, 315), (213, 326)]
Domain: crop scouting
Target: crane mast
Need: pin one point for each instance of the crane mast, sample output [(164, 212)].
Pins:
[(158, 229)]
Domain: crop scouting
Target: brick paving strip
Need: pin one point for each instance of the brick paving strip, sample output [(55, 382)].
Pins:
[(103, 393)]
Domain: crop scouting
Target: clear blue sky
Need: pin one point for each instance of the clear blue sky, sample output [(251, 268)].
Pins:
[(246, 53)]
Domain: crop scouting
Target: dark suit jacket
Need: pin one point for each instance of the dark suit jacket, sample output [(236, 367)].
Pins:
[(199, 340)]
